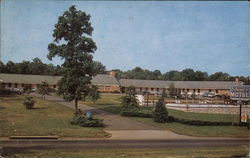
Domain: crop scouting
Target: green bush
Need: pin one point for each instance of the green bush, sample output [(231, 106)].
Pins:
[(136, 114), (4, 91), (129, 101), (160, 114), (83, 121), (29, 102), (200, 123)]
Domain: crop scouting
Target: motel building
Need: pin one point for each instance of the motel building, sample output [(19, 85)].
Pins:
[(189, 87), (107, 83)]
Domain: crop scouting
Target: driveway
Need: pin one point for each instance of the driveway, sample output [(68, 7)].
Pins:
[(111, 121), (122, 127)]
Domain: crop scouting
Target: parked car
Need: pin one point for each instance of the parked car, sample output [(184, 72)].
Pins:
[(208, 94)]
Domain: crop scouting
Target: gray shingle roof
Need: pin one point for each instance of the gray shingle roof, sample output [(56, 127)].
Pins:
[(29, 79), (143, 83), (103, 79), (52, 80), (178, 84), (205, 84)]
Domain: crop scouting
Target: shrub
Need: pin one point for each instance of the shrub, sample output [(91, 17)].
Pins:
[(200, 123), (4, 91), (29, 102), (160, 114), (83, 121), (136, 114), (129, 101)]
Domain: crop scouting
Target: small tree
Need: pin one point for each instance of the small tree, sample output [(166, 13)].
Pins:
[(129, 101), (172, 90), (43, 89), (29, 102), (160, 113), (27, 88), (94, 94)]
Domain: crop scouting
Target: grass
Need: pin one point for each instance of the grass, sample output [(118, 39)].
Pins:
[(200, 131), (112, 104), (208, 152), (47, 118)]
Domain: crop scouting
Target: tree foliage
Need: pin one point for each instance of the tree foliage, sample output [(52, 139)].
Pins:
[(160, 113), (172, 90), (43, 89), (94, 94), (73, 43), (29, 102), (129, 101)]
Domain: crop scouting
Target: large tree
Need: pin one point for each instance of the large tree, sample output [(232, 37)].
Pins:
[(73, 43)]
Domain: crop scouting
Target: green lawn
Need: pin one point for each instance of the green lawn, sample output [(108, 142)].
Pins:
[(48, 118), (112, 104), (208, 152), (209, 131)]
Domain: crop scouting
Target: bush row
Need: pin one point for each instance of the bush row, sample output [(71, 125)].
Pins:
[(136, 114), (183, 121), (5, 92), (200, 123)]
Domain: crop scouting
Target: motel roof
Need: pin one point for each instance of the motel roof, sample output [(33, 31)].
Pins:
[(178, 84), (29, 79), (101, 79), (143, 83)]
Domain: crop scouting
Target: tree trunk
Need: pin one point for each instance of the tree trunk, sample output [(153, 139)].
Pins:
[(76, 105)]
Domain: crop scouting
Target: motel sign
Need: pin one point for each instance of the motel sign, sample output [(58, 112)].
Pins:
[(241, 92)]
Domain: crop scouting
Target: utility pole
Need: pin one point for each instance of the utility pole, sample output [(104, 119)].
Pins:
[(240, 104)]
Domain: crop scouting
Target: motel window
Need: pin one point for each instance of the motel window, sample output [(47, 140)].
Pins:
[(193, 90), (187, 90), (152, 89), (23, 84), (157, 89), (54, 86), (209, 90), (140, 89), (183, 90), (199, 90), (146, 89), (217, 91), (9, 84), (15, 85)]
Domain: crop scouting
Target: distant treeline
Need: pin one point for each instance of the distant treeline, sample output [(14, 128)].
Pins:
[(37, 67), (184, 75)]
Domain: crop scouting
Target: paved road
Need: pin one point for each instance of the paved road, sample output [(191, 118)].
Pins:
[(103, 144)]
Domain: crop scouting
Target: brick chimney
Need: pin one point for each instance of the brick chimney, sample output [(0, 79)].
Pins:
[(112, 73)]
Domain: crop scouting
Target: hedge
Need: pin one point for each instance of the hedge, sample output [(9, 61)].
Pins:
[(136, 114), (184, 121)]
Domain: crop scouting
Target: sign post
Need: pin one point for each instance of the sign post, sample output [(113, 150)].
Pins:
[(239, 93)]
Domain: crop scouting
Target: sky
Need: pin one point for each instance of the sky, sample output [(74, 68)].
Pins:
[(163, 35)]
